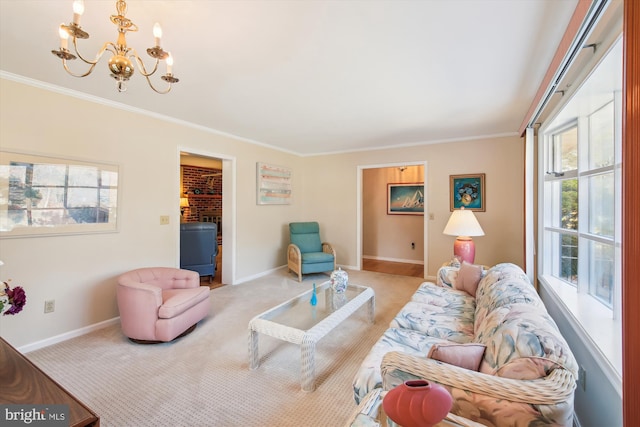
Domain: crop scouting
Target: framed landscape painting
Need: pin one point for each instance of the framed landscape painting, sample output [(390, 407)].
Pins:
[(467, 191), (405, 199)]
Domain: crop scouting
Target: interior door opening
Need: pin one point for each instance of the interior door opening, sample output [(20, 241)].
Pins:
[(391, 243), (202, 200)]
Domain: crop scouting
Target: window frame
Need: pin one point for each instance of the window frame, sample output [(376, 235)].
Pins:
[(9, 229), (600, 323)]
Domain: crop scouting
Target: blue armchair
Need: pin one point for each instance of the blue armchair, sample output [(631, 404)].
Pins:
[(199, 247), (307, 253)]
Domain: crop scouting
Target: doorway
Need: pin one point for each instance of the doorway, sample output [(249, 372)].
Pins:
[(389, 243), (206, 182)]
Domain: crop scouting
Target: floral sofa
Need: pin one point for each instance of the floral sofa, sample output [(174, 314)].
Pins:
[(524, 374)]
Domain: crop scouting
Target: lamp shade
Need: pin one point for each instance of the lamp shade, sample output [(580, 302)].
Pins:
[(184, 202), (463, 223)]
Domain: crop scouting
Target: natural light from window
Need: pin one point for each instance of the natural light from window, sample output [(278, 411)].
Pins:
[(580, 206)]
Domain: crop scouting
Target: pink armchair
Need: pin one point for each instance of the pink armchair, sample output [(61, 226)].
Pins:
[(159, 304)]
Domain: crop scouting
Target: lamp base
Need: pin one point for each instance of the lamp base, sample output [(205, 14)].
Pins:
[(464, 249)]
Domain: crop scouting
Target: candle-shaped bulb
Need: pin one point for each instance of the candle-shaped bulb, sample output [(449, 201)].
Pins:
[(169, 64), (64, 37), (157, 33), (78, 10)]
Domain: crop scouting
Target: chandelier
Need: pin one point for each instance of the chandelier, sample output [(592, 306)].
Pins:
[(120, 63)]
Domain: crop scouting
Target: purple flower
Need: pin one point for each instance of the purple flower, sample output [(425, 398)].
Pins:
[(17, 299)]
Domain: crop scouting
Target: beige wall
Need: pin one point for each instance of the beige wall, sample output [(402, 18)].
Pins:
[(500, 159), (79, 271)]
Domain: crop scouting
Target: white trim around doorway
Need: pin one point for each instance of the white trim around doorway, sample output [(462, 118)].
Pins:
[(229, 185), (359, 235)]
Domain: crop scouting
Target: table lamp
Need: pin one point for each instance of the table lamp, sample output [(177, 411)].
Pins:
[(463, 224), (184, 203)]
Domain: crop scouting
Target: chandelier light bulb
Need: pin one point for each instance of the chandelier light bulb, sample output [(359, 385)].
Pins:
[(78, 10), (157, 33), (169, 64), (64, 37)]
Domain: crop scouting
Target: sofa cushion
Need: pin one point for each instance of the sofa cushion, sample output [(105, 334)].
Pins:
[(446, 276), (448, 273), (504, 284), (523, 342), (506, 273), (468, 278), (429, 293), (466, 356), (453, 322), (177, 301)]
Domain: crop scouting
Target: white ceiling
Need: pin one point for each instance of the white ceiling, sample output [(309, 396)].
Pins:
[(312, 77)]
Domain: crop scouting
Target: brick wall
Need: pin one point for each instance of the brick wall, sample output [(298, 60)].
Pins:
[(210, 198)]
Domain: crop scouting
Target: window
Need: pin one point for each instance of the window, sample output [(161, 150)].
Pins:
[(580, 193), (565, 149), (41, 195)]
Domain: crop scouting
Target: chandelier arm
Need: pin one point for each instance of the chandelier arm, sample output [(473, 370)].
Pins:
[(89, 71), (101, 52), (143, 69), (143, 72), (92, 64), (161, 92)]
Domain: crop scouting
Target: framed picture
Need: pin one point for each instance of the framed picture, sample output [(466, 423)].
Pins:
[(405, 199), (41, 195), (273, 186), (467, 191)]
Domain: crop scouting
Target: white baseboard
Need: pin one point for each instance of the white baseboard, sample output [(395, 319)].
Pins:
[(405, 261), (67, 335), (348, 267), (259, 275), (264, 273)]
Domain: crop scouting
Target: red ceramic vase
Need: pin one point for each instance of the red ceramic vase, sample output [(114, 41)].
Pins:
[(417, 403)]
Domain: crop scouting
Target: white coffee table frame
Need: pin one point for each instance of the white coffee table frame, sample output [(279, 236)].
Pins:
[(306, 339)]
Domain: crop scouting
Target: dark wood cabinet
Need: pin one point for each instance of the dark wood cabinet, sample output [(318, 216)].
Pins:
[(23, 383)]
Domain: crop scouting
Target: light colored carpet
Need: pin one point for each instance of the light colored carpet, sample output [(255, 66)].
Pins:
[(203, 379)]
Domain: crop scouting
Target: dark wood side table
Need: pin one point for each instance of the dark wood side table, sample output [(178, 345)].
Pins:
[(22, 382)]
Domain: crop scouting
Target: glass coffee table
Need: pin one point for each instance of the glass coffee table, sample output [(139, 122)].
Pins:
[(298, 322)]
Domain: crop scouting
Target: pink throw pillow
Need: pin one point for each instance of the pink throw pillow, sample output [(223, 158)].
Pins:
[(468, 278), (466, 356)]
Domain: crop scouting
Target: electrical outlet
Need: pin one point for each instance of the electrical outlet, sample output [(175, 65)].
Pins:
[(164, 219), (413, 245), (582, 378), (49, 306)]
